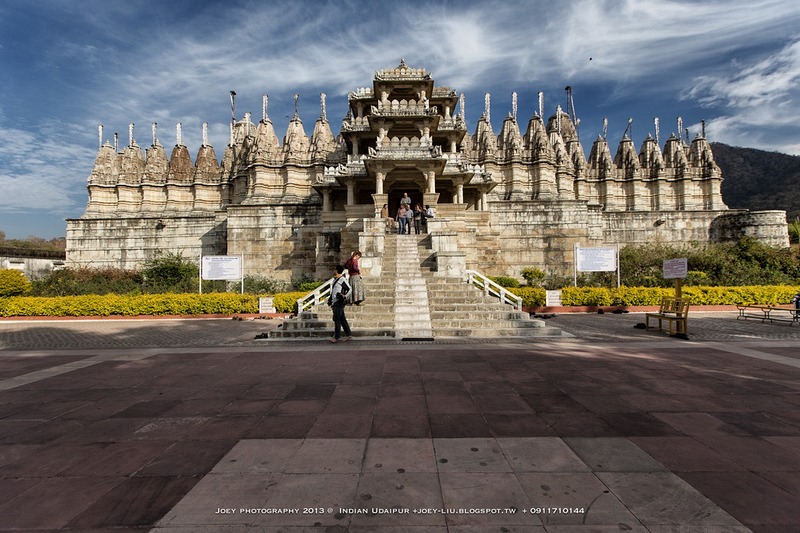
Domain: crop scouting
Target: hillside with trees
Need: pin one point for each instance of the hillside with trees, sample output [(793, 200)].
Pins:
[(759, 180)]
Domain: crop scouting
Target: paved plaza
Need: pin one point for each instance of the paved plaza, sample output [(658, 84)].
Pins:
[(196, 425)]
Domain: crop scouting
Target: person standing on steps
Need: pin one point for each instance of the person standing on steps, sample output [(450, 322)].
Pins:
[(356, 283), (409, 219), (401, 220), (405, 200), (337, 301), (418, 214)]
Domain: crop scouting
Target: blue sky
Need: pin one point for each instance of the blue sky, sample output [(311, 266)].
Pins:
[(67, 66)]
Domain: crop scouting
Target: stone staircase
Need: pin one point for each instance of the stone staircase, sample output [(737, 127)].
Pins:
[(408, 301)]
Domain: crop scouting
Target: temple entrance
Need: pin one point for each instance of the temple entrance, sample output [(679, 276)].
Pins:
[(396, 193)]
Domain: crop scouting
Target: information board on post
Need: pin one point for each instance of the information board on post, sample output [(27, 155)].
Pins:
[(676, 268), (227, 267), (600, 259), (221, 267)]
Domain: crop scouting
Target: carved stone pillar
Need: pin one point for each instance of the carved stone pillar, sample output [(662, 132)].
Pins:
[(431, 181), (326, 199), (351, 192), (379, 177)]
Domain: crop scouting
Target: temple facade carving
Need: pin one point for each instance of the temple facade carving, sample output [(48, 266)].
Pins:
[(504, 201)]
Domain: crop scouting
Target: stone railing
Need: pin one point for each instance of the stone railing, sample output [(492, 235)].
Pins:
[(318, 295), (490, 288)]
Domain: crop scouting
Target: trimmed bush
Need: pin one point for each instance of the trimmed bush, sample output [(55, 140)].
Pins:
[(504, 281), (13, 283)]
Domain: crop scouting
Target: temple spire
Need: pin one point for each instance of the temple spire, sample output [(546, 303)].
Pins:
[(130, 134), (178, 134), (486, 107), (541, 104), (100, 135), (322, 105), (153, 131), (264, 104), (296, 97), (655, 124), (233, 114), (205, 133), (514, 105)]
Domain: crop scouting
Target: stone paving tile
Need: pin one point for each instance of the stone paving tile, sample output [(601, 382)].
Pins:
[(612, 455), (662, 498), (402, 455), (575, 498), (540, 454)]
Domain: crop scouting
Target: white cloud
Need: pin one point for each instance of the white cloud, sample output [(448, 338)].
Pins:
[(759, 102)]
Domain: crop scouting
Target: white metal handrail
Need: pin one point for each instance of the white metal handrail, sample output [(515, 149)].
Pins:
[(314, 297), (490, 288)]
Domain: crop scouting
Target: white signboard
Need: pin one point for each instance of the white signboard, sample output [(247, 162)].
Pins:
[(552, 298), (596, 259), (675, 268), (222, 267)]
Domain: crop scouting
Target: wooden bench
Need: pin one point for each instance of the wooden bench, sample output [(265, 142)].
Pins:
[(672, 310), (769, 312)]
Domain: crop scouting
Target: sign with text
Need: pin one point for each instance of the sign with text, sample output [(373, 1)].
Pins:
[(266, 305), (552, 298), (603, 259), (222, 267), (675, 268)]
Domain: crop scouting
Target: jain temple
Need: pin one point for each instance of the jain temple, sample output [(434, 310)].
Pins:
[(521, 197)]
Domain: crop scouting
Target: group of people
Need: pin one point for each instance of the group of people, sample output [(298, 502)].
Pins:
[(350, 289), (406, 216), (344, 291)]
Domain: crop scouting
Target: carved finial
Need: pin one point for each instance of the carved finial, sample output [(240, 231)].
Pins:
[(99, 135), (703, 128), (680, 128), (153, 131), (130, 134), (461, 111), (541, 104), (558, 118), (324, 115), (605, 128), (402, 63), (486, 105), (116, 142), (233, 97), (264, 104), (514, 105), (178, 134), (205, 133), (655, 124), (296, 97)]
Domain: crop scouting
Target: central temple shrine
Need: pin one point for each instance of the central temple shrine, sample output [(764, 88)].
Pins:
[(520, 198)]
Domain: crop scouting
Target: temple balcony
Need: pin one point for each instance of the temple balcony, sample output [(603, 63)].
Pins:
[(403, 109), (356, 124)]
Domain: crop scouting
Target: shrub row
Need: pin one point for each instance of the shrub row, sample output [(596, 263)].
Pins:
[(144, 304), (635, 296), (230, 303)]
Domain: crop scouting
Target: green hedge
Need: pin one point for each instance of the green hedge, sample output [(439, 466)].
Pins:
[(231, 303), (635, 296), (145, 304)]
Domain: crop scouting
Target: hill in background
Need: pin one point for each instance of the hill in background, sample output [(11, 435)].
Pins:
[(759, 180)]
